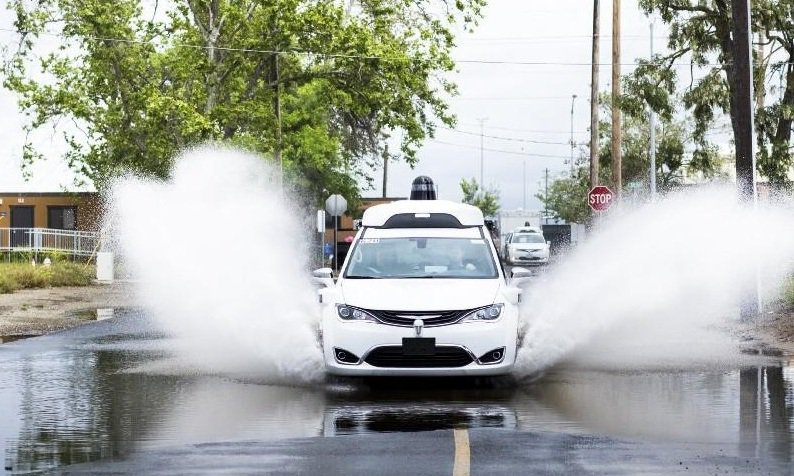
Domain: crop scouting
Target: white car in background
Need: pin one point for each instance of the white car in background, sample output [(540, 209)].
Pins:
[(527, 248), (421, 293)]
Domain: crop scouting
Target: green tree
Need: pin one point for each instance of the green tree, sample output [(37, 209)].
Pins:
[(567, 197), (486, 200), (322, 84), (673, 161), (701, 32)]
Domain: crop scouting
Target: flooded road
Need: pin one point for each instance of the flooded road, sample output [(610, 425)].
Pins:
[(109, 397)]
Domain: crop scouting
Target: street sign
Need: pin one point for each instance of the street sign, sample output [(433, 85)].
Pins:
[(600, 198), (336, 205)]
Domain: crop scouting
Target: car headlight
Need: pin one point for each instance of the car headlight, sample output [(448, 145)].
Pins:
[(349, 313), (487, 313)]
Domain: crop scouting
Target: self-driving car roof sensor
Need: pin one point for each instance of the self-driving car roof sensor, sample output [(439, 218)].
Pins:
[(423, 188), (421, 293)]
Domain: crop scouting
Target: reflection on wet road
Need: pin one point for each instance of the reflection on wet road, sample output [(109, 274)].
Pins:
[(105, 398)]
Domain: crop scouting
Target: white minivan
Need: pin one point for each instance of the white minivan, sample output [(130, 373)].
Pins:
[(421, 293)]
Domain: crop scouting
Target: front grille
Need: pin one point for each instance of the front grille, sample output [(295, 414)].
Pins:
[(392, 356), (430, 318)]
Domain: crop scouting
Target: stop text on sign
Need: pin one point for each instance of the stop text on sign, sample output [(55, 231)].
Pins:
[(600, 198)]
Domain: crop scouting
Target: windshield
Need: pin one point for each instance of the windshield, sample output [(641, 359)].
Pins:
[(528, 238), (421, 258)]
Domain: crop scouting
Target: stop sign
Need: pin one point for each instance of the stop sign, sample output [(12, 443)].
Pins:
[(600, 198), (336, 205)]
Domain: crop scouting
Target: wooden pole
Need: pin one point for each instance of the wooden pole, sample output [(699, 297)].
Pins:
[(617, 178), (745, 158), (594, 97), (745, 155), (385, 169), (277, 111)]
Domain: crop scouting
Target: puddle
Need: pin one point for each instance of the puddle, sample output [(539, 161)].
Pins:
[(109, 391), (94, 314), (9, 339), (104, 313)]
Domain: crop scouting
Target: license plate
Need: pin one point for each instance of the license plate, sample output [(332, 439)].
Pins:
[(419, 345)]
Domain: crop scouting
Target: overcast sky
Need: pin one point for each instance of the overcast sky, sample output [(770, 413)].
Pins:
[(522, 102)]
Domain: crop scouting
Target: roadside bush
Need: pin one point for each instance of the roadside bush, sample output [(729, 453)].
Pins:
[(788, 295), (30, 277), (14, 276), (57, 256), (70, 274), (7, 283)]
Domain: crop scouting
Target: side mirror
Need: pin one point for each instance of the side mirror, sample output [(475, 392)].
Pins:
[(519, 272), (324, 276), (323, 273)]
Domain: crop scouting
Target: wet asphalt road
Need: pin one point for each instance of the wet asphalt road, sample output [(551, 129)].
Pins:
[(99, 399)]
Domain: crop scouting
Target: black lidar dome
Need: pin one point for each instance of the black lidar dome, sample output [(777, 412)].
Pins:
[(423, 188)]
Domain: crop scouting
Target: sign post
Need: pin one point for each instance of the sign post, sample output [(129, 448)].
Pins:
[(321, 231), (336, 205)]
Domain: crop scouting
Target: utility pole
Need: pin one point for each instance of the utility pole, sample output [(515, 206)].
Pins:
[(617, 179), (652, 125), (385, 165), (482, 135), (594, 97), (525, 184), (277, 110), (750, 304), (573, 144), (545, 212), (745, 157)]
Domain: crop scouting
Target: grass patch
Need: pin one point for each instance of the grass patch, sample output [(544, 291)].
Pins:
[(14, 276), (788, 293)]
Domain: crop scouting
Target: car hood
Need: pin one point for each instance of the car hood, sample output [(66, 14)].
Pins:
[(419, 294)]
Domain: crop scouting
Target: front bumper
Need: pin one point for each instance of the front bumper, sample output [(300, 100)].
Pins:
[(528, 259), (365, 339)]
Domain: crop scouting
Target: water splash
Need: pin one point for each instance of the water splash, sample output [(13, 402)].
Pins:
[(657, 286), (219, 256)]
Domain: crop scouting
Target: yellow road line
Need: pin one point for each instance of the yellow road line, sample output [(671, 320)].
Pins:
[(462, 453)]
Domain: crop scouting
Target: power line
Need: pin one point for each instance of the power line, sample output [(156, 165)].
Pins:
[(342, 55), (508, 98), (501, 151), (536, 131), (530, 39), (512, 139)]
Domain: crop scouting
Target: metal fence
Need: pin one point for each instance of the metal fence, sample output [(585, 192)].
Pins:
[(40, 240)]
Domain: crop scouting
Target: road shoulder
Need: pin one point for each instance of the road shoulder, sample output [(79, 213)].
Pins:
[(31, 312)]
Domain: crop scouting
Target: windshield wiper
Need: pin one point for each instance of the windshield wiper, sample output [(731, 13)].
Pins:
[(363, 277)]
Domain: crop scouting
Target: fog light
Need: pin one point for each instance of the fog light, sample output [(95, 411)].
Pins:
[(345, 357), (493, 356)]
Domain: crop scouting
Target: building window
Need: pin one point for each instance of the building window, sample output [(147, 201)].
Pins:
[(62, 218)]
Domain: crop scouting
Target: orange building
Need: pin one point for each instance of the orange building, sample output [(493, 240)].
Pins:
[(80, 211)]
